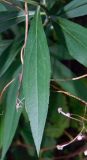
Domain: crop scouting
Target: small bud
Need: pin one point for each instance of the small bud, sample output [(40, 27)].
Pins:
[(59, 110), (17, 106), (59, 147), (80, 137)]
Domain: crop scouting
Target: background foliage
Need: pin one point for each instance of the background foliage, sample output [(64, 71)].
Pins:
[(54, 73)]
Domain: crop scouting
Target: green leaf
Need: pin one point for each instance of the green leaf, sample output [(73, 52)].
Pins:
[(76, 8), (11, 117), (1, 130), (36, 79), (54, 128), (76, 39), (8, 75), (50, 3), (27, 136), (4, 45), (10, 57), (2, 7), (60, 52), (30, 2), (77, 88), (10, 18)]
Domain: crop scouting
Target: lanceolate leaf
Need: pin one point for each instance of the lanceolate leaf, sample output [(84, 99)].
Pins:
[(76, 8), (36, 79), (11, 117), (75, 3), (76, 39)]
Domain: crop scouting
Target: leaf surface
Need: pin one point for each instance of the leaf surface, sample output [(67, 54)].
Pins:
[(77, 88), (76, 8), (11, 117), (8, 57), (76, 39), (10, 18), (36, 79)]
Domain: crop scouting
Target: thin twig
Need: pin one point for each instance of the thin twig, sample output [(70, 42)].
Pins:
[(61, 147), (19, 143), (79, 136), (24, 45), (76, 115), (68, 135), (26, 33), (70, 79), (13, 5), (4, 89), (73, 96), (72, 154), (47, 149), (68, 94)]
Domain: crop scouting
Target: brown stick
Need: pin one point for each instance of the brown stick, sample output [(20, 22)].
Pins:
[(26, 33), (4, 89)]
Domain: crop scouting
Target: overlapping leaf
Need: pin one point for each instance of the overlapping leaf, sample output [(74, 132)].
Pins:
[(76, 8), (11, 117), (7, 59), (76, 39)]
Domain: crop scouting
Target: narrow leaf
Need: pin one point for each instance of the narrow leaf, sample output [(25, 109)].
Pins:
[(76, 8), (75, 3), (76, 39), (36, 79), (11, 117), (12, 53)]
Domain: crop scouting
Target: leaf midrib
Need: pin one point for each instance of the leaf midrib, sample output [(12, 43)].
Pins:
[(37, 60)]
